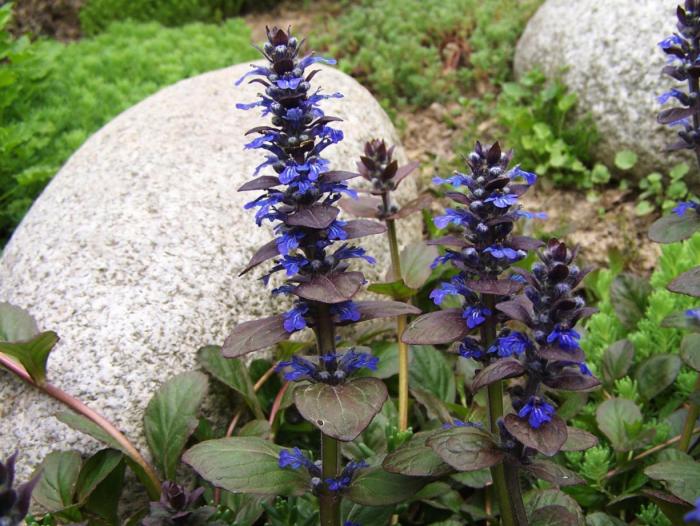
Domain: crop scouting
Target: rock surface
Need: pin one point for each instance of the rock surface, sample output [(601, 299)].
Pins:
[(132, 252), (613, 65)]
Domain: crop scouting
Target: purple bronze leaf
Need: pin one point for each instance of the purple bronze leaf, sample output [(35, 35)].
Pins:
[(572, 381), (260, 183), (578, 440), (499, 370), (403, 172), (466, 448), (672, 228), (525, 243), (687, 283), (370, 310), (416, 459), (674, 114), (254, 335), (443, 326), (267, 251), (363, 227), (555, 474), (337, 176), (519, 308), (495, 287), (416, 205), (562, 355), (363, 206), (547, 439), (318, 216), (331, 288)]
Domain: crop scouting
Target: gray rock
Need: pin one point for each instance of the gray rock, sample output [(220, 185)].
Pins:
[(612, 61), (132, 252)]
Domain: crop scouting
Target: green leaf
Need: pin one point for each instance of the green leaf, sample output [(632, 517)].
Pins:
[(690, 351), (615, 417), (388, 355), (416, 259), (431, 371), (171, 417), (395, 289), (84, 425), (656, 374), (679, 171), (553, 516), (247, 509), (416, 459), (629, 295), (567, 102), (626, 159), (104, 499), (59, 477), (375, 487), (600, 174), (32, 354), (643, 208), (233, 373), (682, 477), (255, 428), (601, 519), (95, 470), (246, 465), (617, 360), (16, 324), (537, 499), (341, 411)]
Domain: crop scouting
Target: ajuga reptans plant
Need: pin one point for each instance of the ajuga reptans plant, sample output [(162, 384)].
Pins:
[(516, 324), (14, 500), (313, 249)]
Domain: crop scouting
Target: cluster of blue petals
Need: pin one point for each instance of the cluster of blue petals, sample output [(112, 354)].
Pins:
[(331, 368), (294, 144), (693, 516), (537, 412), (295, 459)]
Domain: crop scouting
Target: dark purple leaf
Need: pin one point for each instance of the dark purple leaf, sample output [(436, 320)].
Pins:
[(331, 288), (337, 176), (499, 370), (629, 295), (555, 474), (466, 448), (494, 154), (254, 335), (500, 287), (370, 310), (317, 216), (557, 354), (404, 171), (443, 326), (260, 183), (525, 243), (672, 228), (341, 411), (687, 283), (673, 507), (547, 439), (363, 227), (363, 206), (617, 359), (267, 251), (578, 440), (519, 308), (459, 198), (435, 407), (416, 205), (553, 515), (674, 114), (572, 380)]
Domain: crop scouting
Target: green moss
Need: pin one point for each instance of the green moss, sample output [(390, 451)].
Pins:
[(91, 81)]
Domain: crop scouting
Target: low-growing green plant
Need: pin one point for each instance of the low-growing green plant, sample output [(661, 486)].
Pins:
[(538, 117), (69, 90), (418, 52), (97, 15)]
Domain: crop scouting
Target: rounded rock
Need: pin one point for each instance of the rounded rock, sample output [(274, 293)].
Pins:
[(132, 253)]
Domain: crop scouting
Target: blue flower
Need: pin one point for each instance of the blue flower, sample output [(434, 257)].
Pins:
[(566, 339), (673, 93), (671, 42), (693, 314), (289, 83), (518, 173), (459, 423), (501, 252), (343, 481), (502, 200), (352, 361), (294, 459), (537, 412), (300, 369), (293, 264), (289, 241), (456, 180), (350, 523), (348, 252), (470, 348), (345, 311), (693, 515), (475, 316), (454, 287), (455, 217), (515, 343), (336, 231), (682, 207), (294, 318), (531, 215)]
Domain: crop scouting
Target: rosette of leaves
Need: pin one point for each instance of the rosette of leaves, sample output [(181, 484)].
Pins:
[(14, 500), (312, 246), (178, 506), (683, 50)]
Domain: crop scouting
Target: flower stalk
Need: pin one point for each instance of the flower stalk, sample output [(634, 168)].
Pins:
[(691, 418)]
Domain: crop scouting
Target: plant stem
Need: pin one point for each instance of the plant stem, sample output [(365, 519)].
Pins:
[(330, 451), (515, 493), (401, 321), (693, 413), (495, 397), (152, 484)]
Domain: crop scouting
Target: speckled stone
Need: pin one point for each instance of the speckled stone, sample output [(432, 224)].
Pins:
[(132, 252), (612, 61)]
